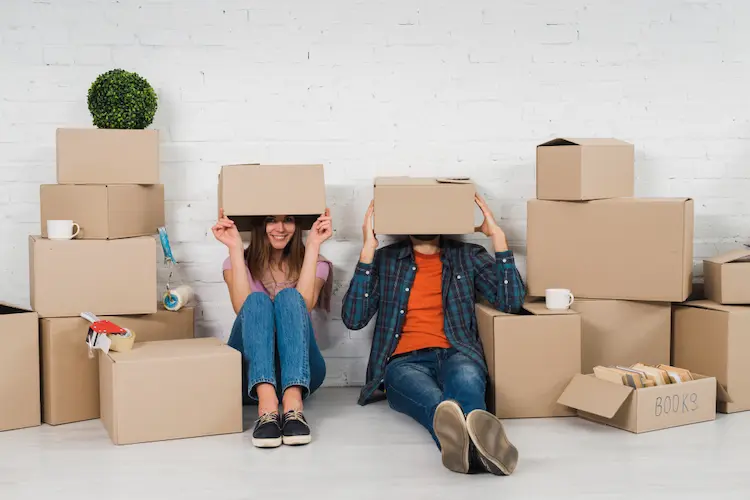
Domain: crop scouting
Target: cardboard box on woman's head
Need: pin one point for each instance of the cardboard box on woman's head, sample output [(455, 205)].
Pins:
[(250, 192)]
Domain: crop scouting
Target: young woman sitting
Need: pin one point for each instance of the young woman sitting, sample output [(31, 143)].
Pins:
[(274, 284)]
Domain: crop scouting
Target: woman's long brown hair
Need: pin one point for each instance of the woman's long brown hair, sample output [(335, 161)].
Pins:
[(258, 253)]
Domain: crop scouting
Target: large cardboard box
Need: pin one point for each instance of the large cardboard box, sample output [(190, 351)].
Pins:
[(107, 156), (531, 358), (624, 248), (104, 211), (584, 169), (171, 389), (714, 339), (642, 410), (249, 192), (19, 368), (70, 378), (727, 277), (616, 332), (105, 277), (423, 205)]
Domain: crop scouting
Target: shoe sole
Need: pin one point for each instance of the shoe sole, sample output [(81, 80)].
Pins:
[(267, 443), (497, 454), (297, 440), (450, 428)]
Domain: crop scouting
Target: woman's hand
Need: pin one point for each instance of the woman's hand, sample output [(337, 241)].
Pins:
[(321, 230), (226, 232)]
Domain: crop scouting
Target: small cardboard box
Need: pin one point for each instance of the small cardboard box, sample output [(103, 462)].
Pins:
[(70, 379), (250, 192), (624, 248), (104, 211), (642, 410), (423, 205), (171, 389), (105, 277), (584, 169), (531, 357), (727, 277), (19, 368), (624, 332), (107, 156), (714, 339)]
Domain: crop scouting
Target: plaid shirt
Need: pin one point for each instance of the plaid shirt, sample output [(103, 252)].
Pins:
[(382, 287)]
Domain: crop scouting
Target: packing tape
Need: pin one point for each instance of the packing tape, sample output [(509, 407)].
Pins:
[(122, 343), (177, 298)]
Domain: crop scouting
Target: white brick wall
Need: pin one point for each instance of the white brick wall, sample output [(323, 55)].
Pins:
[(375, 88)]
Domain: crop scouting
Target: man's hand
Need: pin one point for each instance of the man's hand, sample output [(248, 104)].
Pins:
[(489, 227), (370, 242)]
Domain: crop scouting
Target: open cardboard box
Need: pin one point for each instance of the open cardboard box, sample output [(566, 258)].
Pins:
[(584, 169), (250, 192), (424, 205), (531, 357), (727, 277), (646, 409)]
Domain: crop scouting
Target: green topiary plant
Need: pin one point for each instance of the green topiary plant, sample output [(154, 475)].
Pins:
[(121, 99)]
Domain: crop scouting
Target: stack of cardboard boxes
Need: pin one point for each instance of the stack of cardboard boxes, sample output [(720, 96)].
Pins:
[(108, 184)]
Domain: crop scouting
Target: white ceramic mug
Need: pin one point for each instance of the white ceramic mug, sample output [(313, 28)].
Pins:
[(62, 229), (558, 298)]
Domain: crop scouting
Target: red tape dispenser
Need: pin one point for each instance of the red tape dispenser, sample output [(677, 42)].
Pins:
[(105, 335)]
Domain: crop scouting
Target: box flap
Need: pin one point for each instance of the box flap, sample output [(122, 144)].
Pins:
[(568, 141), (540, 309), (709, 304), (453, 180), (590, 394), (7, 308), (722, 395), (737, 255), (489, 311)]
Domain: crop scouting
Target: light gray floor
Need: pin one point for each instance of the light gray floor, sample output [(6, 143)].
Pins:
[(372, 452)]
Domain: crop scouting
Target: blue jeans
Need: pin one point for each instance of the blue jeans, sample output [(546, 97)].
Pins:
[(277, 343), (416, 383)]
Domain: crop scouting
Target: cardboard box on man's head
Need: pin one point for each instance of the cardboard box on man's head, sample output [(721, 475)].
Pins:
[(250, 192), (424, 205), (584, 169), (727, 277)]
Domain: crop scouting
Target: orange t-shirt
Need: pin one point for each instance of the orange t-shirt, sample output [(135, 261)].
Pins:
[(423, 326)]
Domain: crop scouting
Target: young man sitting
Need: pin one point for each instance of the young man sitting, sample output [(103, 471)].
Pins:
[(426, 353)]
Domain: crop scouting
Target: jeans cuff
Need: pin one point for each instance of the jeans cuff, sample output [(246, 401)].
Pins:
[(304, 384), (252, 393)]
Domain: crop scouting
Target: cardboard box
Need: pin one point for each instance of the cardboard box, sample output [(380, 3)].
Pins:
[(250, 192), (584, 169), (617, 332), (107, 156), (19, 368), (642, 410), (624, 248), (104, 211), (70, 379), (423, 205), (105, 277), (531, 358), (714, 339), (727, 277), (170, 390)]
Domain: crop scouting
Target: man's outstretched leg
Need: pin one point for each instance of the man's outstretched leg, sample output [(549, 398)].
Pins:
[(465, 383)]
